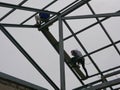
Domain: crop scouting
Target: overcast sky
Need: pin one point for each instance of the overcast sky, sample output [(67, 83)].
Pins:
[(14, 63)]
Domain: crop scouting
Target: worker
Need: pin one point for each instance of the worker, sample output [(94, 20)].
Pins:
[(42, 18), (77, 59)]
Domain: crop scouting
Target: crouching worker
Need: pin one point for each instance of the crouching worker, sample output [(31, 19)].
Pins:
[(42, 18), (77, 59)]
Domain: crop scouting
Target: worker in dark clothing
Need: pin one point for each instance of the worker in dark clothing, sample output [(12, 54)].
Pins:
[(42, 18), (77, 59)]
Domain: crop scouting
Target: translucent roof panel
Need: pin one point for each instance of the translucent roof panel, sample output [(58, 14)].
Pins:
[(17, 17), (92, 28), (105, 6), (112, 26), (4, 11)]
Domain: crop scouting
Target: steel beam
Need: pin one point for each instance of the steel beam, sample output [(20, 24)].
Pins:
[(68, 6), (24, 8), (104, 85), (95, 82), (100, 86), (17, 25), (92, 16), (36, 66), (61, 53), (87, 85), (111, 74)]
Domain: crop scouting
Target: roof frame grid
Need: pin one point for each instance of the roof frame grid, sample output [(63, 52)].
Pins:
[(104, 29), (18, 46), (62, 13), (81, 45), (86, 28)]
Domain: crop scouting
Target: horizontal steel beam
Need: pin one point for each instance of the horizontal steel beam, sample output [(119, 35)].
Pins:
[(111, 74), (104, 85), (17, 25), (95, 82), (105, 71), (92, 16), (99, 86), (24, 8), (102, 48)]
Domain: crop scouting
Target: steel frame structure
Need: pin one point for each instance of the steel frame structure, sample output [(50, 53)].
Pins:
[(61, 16)]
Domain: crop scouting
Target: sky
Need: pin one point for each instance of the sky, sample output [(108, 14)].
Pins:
[(33, 41)]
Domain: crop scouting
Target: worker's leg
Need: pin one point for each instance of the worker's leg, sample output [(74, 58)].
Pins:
[(73, 61), (83, 65), (38, 20)]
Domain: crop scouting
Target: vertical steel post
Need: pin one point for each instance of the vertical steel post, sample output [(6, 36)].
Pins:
[(61, 51)]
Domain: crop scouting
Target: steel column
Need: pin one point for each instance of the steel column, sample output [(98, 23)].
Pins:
[(61, 51)]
